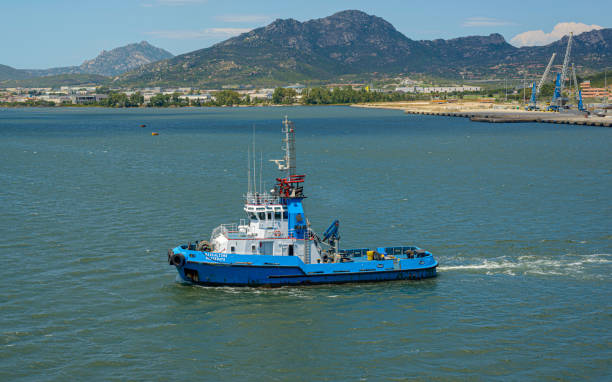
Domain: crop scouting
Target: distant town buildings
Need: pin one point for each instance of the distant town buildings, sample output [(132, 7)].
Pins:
[(85, 94), (589, 92), (206, 97), (83, 99), (354, 86), (262, 94), (438, 89), (297, 87)]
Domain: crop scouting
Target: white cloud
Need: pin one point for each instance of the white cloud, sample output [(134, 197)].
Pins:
[(539, 37), (196, 34), (172, 2), (180, 2), (485, 22), (244, 18), (226, 31)]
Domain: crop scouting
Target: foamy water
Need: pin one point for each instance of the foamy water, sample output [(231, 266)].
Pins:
[(568, 265)]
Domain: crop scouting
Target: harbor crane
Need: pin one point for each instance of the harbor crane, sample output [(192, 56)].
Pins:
[(557, 100), (566, 60), (536, 89), (577, 90)]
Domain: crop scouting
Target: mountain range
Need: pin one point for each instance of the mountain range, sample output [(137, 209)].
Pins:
[(354, 45), (107, 63), (347, 46)]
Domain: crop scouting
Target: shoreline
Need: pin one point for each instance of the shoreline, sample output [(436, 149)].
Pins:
[(491, 114)]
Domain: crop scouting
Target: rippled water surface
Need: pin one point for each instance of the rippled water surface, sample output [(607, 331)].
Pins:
[(519, 217)]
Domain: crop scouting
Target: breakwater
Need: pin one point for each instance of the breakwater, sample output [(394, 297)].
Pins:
[(521, 117)]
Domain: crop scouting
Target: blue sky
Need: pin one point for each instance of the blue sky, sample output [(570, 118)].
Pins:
[(48, 33)]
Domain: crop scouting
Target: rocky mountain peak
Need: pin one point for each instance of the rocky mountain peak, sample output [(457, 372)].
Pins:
[(352, 44), (123, 59)]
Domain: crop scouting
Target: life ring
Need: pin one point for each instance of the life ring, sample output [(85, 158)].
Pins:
[(277, 233)]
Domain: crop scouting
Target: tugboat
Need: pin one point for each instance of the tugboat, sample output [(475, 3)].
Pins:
[(275, 246)]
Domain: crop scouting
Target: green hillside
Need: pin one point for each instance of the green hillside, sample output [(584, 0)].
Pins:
[(56, 81)]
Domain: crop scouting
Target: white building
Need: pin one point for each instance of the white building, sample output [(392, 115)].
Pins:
[(438, 89), (196, 97), (265, 94)]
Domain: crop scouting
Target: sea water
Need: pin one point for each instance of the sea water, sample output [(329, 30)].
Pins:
[(519, 217)]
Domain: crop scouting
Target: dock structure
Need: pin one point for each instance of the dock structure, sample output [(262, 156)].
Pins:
[(521, 117), (478, 112)]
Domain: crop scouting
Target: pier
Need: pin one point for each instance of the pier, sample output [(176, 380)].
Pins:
[(492, 114), (522, 117)]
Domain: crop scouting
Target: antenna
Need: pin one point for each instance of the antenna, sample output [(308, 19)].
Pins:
[(261, 189), (249, 168), (288, 162), (254, 166)]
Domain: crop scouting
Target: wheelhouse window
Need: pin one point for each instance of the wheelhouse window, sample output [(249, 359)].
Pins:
[(277, 215), (262, 216)]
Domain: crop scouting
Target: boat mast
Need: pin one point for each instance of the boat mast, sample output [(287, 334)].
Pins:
[(289, 148), (287, 164), (254, 164), (249, 169)]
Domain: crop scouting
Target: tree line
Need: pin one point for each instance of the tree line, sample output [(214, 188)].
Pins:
[(280, 96)]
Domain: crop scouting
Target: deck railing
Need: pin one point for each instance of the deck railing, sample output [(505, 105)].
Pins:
[(224, 229), (261, 199)]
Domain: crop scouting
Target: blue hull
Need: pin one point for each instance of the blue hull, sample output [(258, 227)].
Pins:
[(250, 276), (200, 269)]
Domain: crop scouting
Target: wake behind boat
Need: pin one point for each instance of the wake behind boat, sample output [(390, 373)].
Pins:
[(275, 245)]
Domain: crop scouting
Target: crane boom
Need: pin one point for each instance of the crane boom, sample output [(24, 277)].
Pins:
[(577, 89), (543, 79), (566, 60), (575, 80)]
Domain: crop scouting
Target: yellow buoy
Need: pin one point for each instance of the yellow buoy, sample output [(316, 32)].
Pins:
[(154, 133)]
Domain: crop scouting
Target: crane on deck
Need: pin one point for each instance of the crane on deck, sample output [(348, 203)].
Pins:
[(332, 235), (536, 90)]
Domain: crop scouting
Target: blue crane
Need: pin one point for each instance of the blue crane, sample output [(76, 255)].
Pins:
[(332, 235), (536, 90), (556, 99), (577, 90), (532, 101)]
